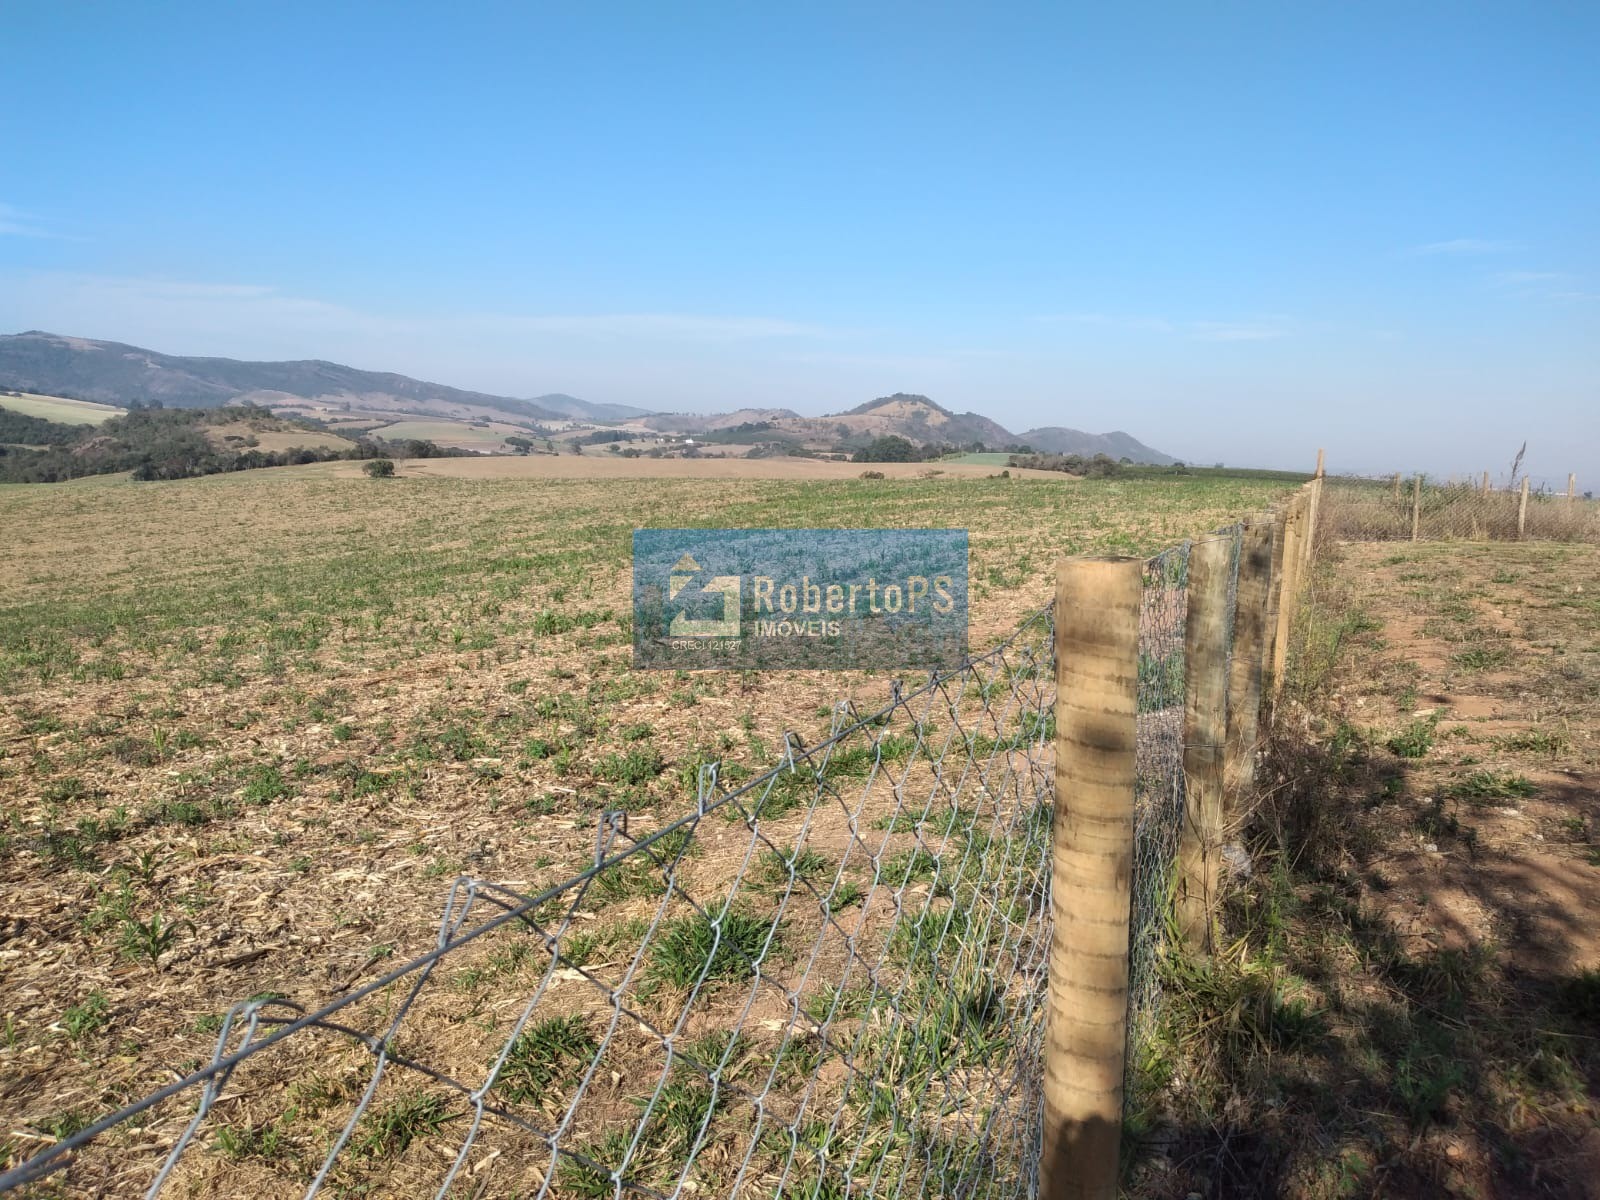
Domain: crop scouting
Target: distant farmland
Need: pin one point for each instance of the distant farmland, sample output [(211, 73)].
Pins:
[(58, 408), (454, 433)]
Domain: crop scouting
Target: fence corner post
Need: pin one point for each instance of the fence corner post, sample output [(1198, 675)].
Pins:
[(1247, 666), (1572, 487), (1205, 702), (1416, 506), (1091, 869), (1522, 510)]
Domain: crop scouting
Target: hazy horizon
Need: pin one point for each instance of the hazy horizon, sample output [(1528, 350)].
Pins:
[(1237, 236)]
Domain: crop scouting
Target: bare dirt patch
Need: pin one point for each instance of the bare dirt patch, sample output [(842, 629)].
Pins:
[(1506, 785)]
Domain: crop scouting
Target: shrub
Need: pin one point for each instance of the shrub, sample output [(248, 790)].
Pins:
[(379, 468)]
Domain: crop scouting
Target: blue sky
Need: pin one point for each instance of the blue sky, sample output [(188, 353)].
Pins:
[(1236, 231)]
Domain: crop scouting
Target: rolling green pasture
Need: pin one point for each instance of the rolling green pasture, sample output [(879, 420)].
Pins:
[(59, 408), (986, 459)]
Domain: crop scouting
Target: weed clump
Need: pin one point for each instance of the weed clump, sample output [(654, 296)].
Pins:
[(639, 764), (696, 947), (1415, 740), (551, 1053)]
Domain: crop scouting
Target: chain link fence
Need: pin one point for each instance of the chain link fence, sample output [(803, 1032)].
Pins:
[(1418, 509), (827, 979)]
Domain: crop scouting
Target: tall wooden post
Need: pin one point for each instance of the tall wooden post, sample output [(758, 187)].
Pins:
[(1572, 488), (1097, 680), (1294, 523), (1486, 483), (1397, 487), (1522, 510), (1416, 507), (1269, 661), (1313, 520), (1314, 513), (1205, 662), (1247, 665)]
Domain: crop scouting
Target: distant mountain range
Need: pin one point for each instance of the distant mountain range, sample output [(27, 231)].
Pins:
[(114, 373), (118, 374), (915, 418), (585, 410)]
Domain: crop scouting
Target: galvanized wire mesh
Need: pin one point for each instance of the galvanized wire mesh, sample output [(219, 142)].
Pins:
[(1160, 790), (1397, 509), (827, 979)]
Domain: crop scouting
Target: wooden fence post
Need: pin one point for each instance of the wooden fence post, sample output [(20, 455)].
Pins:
[(1269, 662), (1572, 488), (1205, 701), (1416, 507), (1314, 514), (1294, 519), (1313, 521), (1247, 666), (1522, 509), (1397, 487), (1097, 683), (1486, 483)]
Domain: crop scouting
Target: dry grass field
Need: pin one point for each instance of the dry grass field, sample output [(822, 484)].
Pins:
[(252, 726), (483, 437), (240, 433)]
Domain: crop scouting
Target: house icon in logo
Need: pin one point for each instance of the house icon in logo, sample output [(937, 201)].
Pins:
[(681, 579)]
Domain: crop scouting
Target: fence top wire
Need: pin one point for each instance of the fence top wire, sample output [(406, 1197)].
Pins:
[(979, 830)]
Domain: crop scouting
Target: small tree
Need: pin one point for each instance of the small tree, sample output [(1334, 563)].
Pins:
[(379, 468)]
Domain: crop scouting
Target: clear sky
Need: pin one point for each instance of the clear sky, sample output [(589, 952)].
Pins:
[(1235, 231)]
